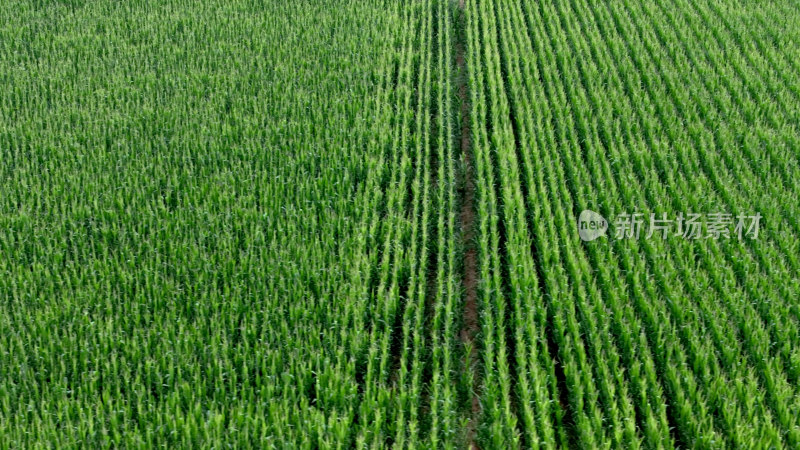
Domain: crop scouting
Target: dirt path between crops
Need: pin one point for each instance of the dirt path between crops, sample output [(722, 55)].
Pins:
[(469, 280)]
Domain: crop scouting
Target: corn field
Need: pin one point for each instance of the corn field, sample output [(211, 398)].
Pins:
[(360, 224)]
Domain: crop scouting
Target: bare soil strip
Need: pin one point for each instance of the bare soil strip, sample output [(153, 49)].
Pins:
[(469, 281)]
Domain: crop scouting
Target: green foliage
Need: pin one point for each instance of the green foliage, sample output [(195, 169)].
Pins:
[(236, 224)]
